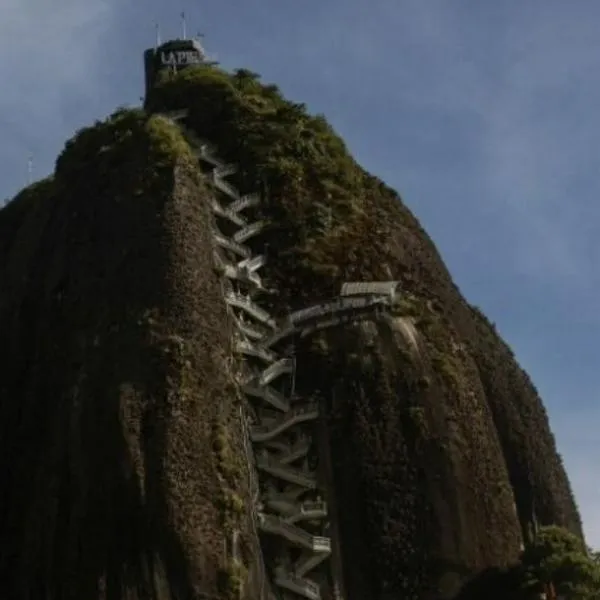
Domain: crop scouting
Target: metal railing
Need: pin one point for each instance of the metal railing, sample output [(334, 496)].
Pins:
[(356, 301)]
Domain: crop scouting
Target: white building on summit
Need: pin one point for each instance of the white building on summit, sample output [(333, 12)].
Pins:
[(174, 55)]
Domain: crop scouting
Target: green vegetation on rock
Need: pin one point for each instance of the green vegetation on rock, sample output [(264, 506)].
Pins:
[(560, 558), (555, 562), (127, 134), (430, 447), (296, 159)]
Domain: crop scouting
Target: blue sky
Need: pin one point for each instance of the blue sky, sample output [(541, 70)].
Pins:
[(483, 115)]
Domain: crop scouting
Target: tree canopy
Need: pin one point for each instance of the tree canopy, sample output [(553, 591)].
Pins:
[(556, 560), (560, 558)]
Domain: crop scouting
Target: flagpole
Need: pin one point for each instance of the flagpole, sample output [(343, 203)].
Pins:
[(157, 28)]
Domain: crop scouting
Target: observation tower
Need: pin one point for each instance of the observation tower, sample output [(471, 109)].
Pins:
[(174, 55)]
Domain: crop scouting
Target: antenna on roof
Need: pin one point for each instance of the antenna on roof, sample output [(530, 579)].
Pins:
[(157, 28), (183, 25)]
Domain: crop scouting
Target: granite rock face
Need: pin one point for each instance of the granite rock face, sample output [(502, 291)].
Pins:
[(122, 471), (115, 392)]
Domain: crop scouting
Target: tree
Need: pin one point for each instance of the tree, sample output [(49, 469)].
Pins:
[(557, 556)]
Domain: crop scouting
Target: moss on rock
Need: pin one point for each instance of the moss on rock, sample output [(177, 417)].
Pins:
[(330, 222), (428, 448)]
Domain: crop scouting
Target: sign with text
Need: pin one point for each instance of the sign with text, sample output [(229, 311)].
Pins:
[(180, 58)]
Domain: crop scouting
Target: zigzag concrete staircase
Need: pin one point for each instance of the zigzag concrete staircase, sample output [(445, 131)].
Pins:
[(289, 506)]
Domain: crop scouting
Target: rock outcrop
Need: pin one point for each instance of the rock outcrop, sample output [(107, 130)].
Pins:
[(122, 470)]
